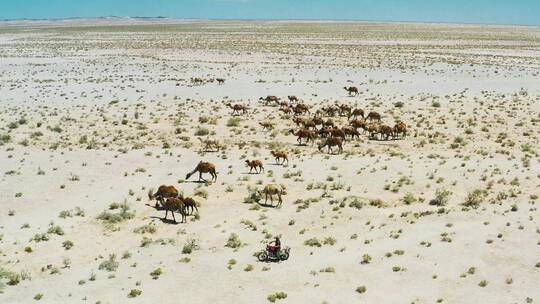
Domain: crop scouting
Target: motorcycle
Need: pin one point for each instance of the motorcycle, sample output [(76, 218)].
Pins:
[(267, 255)]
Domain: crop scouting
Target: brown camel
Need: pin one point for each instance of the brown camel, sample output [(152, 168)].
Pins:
[(345, 110), (270, 98), (330, 110), (280, 155), (318, 120), (386, 132), (328, 123), (237, 108), (299, 120), (300, 109), (162, 193), (306, 134), (400, 128), (352, 90), (352, 132), (355, 113), (359, 123), (373, 130), (374, 116), (204, 167), (324, 132), (255, 164), (210, 144), (266, 125), (337, 132), (173, 204), (292, 98), (309, 124), (271, 190), (330, 143), (197, 80), (191, 204), (286, 110)]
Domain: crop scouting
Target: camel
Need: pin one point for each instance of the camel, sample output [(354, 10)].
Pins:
[(237, 108), (299, 120), (329, 123), (359, 123), (292, 98), (173, 204), (280, 155), (345, 110), (352, 90), (300, 109), (373, 130), (254, 164), (351, 132), (330, 110), (266, 125), (374, 116), (270, 190), (286, 110), (220, 80), (324, 132), (309, 124), (400, 128), (283, 104), (337, 132), (355, 113), (306, 134), (209, 143), (332, 142), (269, 99), (204, 167), (386, 132), (190, 204), (318, 121), (197, 80), (162, 193)]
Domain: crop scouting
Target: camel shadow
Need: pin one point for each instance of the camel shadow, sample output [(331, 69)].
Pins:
[(166, 221)]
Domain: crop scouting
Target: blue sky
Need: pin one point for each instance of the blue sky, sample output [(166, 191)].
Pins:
[(466, 11)]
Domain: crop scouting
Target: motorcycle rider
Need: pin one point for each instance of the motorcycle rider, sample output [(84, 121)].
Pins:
[(275, 246)]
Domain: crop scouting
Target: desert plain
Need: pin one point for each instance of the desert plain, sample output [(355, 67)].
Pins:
[(95, 114)]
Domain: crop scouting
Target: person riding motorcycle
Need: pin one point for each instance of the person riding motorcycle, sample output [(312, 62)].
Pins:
[(275, 246)]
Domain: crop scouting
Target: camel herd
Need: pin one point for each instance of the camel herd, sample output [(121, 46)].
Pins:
[(310, 127)]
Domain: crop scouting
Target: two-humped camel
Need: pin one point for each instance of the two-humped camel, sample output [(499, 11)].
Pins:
[(330, 143), (280, 155), (255, 164)]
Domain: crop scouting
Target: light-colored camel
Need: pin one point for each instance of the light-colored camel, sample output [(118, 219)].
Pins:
[(237, 108), (209, 144), (280, 155), (270, 190)]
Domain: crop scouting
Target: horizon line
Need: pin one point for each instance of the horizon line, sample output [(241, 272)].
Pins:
[(264, 19)]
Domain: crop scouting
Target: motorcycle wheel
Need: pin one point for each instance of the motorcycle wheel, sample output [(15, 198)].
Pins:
[(284, 256), (262, 257)]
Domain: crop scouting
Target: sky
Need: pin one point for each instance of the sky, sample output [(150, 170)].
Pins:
[(526, 12)]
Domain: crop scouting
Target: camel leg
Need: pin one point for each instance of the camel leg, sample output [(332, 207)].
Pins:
[(166, 212), (173, 216), (280, 201), (265, 198)]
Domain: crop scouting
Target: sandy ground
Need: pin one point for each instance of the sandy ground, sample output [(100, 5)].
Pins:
[(92, 117)]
